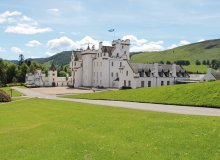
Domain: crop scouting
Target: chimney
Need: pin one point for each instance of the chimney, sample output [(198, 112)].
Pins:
[(174, 70), (100, 45), (209, 71), (156, 70)]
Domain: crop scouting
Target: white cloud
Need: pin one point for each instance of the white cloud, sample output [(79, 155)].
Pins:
[(33, 43), (184, 42), (140, 45), (16, 50), (181, 43), (21, 24), (9, 16), (54, 11), (2, 50), (65, 43), (27, 29), (62, 43), (201, 40)]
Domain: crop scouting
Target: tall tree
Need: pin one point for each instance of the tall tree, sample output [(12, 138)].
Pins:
[(11, 73), (3, 76), (21, 59)]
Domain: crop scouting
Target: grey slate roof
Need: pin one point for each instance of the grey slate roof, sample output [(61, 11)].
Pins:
[(139, 67), (52, 67), (216, 75)]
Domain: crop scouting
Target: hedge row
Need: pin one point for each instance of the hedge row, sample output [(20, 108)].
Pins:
[(4, 97)]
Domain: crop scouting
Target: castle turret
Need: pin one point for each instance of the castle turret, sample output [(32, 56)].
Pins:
[(52, 75)]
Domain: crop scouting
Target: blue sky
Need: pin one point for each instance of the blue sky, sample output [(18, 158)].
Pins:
[(43, 28)]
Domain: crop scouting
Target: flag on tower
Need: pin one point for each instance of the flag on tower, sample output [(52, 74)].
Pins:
[(111, 30)]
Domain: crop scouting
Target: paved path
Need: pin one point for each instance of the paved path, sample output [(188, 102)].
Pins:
[(131, 105)]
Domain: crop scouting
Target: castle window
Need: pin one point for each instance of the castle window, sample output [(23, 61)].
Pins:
[(142, 83), (104, 54), (129, 83), (126, 73), (75, 63), (120, 64), (117, 74), (125, 83), (117, 55), (112, 74), (124, 52), (122, 47), (112, 64), (53, 74), (149, 83), (162, 83), (98, 54), (168, 83)]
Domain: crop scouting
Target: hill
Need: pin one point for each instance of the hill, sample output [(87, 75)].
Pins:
[(206, 50), (60, 59), (200, 94)]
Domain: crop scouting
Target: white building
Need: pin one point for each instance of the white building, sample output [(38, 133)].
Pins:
[(211, 76), (109, 67), (38, 79)]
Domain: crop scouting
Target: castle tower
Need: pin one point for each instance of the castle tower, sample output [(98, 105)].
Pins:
[(52, 75)]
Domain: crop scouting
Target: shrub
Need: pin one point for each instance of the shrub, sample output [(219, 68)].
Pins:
[(4, 97), (125, 87)]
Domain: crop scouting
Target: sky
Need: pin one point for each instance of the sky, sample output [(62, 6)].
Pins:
[(45, 27)]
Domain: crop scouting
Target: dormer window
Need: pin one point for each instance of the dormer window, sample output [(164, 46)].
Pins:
[(117, 55)]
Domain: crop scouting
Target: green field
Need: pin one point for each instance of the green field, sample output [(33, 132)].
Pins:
[(15, 93), (54, 130), (206, 50), (205, 94), (196, 68)]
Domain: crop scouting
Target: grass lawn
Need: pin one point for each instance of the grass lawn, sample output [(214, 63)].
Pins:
[(205, 94), (54, 130), (15, 93)]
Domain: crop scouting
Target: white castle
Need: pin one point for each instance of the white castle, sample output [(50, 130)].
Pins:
[(109, 67)]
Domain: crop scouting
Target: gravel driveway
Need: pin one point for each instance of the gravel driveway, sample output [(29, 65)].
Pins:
[(131, 105)]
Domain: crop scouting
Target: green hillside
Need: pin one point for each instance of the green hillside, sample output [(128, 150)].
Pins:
[(60, 59), (207, 50), (200, 94)]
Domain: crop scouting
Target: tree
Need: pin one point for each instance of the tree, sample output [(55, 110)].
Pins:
[(21, 59), (3, 76), (207, 62), (11, 73), (22, 72), (168, 62), (198, 62), (204, 62)]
